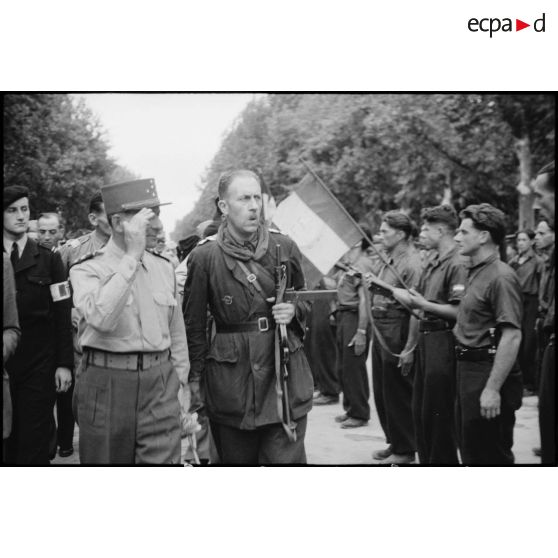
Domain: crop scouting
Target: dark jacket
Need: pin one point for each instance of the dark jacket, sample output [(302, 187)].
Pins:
[(237, 370), (46, 329)]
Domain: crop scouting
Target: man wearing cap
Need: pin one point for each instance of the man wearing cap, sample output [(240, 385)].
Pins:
[(135, 355), (488, 336), (232, 275), (545, 186), (42, 362)]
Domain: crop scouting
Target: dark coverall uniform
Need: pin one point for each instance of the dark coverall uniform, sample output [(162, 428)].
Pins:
[(529, 273), (352, 367), (321, 348), (442, 282), (237, 371), (547, 386), (45, 345), (393, 391), (492, 298)]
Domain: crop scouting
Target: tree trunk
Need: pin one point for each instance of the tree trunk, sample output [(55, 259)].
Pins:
[(526, 198)]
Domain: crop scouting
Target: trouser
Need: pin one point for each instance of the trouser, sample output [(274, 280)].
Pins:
[(434, 398), (352, 368), (392, 391), (32, 404), (528, 348), (485, 441), (321, 350), (128, 417), (547, 406), (266, 445)]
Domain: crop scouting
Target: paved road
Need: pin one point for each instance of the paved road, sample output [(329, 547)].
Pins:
[(328, 444)]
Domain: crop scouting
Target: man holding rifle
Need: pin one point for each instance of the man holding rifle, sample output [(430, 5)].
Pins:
[(256, 400)]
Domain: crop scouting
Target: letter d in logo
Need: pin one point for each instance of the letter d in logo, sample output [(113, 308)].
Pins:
[(539, 23)]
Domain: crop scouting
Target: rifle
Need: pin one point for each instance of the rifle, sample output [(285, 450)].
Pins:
[(378, 286), (282, 352)]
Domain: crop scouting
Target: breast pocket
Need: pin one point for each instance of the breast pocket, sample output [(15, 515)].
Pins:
[(165, 303), (35, 297)]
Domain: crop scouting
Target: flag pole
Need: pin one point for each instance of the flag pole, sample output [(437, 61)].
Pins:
[(368, 239)]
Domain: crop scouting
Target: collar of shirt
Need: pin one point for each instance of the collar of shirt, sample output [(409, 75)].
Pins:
[(488, 260), (398, 251), (20, 244)]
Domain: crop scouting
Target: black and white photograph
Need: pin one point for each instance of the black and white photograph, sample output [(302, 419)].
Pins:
[(246, 279)]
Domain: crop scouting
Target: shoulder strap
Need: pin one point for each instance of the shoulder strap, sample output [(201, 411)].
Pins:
[(252, 279)]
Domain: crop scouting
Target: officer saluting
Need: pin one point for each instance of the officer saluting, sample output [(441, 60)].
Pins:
[(488, 335), (134, 343)]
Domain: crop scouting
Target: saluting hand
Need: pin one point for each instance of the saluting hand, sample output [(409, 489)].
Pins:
[(489, 403), (134, 232)]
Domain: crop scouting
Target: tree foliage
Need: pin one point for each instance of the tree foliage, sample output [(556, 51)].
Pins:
[(55, 147), (385, 151)]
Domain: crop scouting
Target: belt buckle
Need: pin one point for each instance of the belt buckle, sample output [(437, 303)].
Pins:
[(251, 278), (263, 324)]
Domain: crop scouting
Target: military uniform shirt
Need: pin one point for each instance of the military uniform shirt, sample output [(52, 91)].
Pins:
[(406, 261), (130, 306), (492, 297), (529, 272), (443, 279), (77, 248)]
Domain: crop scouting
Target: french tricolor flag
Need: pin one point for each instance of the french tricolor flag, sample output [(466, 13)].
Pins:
[(323, 230)]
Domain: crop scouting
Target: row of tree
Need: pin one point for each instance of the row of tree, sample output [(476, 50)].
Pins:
[(56, 147), (383, 151)]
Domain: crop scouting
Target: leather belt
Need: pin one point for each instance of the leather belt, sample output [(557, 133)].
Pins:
[(384, 313), (474, 355), (260, 325), (434, 325), (125, 361)]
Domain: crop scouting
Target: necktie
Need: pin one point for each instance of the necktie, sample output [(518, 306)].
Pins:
[(14, 255)]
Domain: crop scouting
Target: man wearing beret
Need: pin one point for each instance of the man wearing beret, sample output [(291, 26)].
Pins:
[(42, 362), (135, 355)]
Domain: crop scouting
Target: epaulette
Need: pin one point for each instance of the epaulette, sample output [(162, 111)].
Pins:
[(277, 231), (204, 240), (74, 243), (86, 257), (153, 253)]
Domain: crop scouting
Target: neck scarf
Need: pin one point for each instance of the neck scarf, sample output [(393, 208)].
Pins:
[(246, 250)]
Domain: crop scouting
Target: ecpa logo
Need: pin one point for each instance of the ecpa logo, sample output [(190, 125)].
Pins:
[(494, 24)]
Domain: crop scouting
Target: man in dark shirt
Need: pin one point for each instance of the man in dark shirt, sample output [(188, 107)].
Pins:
[(232, 275), (545, 186), (441, 288), (391, 378), (488, 335), (529, 268)]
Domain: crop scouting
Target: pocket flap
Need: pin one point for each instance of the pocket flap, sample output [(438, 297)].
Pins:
[(223, 349), (164, 299), (39, 280)]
